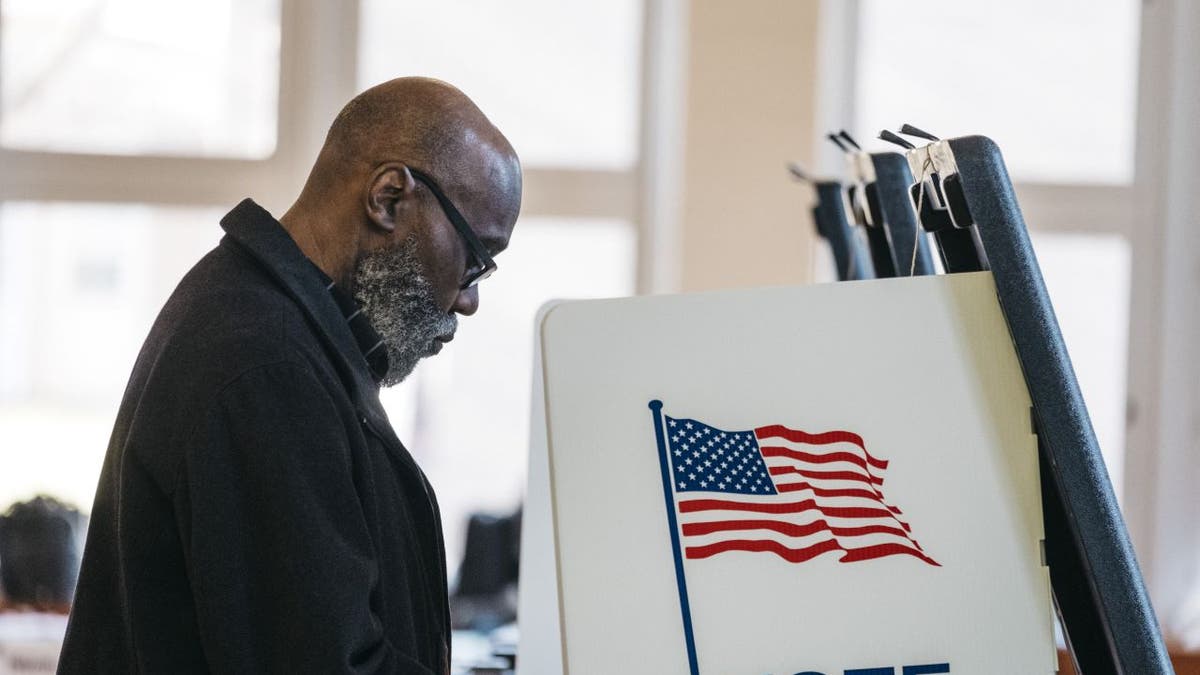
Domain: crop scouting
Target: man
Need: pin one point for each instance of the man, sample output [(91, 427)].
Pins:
[(256, 512)]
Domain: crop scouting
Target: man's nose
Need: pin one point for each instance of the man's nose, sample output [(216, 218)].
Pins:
[(466, 302)]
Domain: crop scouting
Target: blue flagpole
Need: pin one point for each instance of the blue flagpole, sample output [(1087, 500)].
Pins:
[(669, 494)]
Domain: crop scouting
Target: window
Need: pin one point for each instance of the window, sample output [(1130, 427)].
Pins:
[(560, 79), (140, 77), (1055, 85), (80, 285), (128, 127)]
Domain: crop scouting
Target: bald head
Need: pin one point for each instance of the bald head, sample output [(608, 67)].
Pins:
[(412, 195), (357, 197), (421, 121)]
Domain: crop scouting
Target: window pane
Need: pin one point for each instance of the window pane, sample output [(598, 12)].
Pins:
[(1088, 279), (80, 285), (560, 79), (465, 413), (140, 77), (1054, 82)]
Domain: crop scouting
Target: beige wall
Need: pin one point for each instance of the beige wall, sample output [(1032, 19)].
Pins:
[(750, 108)]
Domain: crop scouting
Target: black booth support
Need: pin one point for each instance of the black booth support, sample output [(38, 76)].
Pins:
[(883, 256), (909, 248), (829, 213), (1098, 588)]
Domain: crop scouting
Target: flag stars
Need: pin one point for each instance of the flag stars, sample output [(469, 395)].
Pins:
[(711, 459), (672, 422)]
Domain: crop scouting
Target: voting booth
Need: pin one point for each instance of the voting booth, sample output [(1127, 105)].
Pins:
[(888, 476)]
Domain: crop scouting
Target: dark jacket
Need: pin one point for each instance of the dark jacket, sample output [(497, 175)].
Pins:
[(256, 512)]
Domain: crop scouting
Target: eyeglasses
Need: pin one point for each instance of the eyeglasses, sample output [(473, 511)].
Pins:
[(484, 265)]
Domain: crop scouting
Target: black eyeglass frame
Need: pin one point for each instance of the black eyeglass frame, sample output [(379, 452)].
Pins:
[(484, 264)]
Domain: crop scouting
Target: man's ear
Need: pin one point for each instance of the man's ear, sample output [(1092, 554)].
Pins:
[(391, 188)]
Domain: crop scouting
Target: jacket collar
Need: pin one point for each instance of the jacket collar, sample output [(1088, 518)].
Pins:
[(258, 232)]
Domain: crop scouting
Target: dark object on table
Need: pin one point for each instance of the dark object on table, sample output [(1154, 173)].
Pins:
[(486, 595)]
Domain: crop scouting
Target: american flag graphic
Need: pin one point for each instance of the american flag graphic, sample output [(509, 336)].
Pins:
[(778, 490)]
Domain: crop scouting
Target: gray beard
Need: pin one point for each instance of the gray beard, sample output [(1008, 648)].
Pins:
[(399, 301)]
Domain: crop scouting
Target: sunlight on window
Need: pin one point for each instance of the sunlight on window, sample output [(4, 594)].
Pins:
[(80, 285), (140, 77), (560, 79), (1054, 82)]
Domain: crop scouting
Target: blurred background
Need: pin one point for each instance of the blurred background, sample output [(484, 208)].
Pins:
[(654, 135)]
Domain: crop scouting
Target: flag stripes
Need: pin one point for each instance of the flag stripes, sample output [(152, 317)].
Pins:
[(782, 491), (790, 529), (826, 475), (798, 555)]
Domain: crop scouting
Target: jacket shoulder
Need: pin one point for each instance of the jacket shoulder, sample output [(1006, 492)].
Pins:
[(226, 318), (230, 312)]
